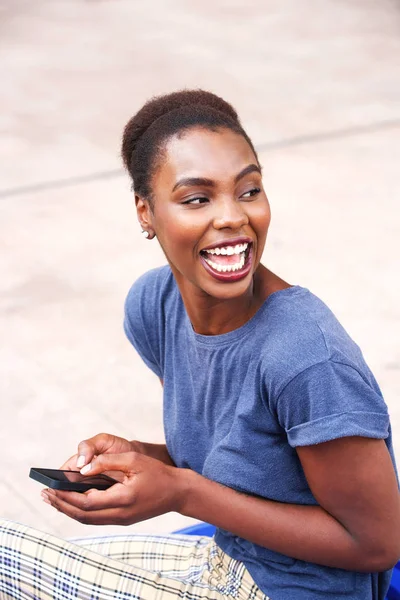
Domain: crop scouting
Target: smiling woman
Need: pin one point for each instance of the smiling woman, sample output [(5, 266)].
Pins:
[(276, 430)]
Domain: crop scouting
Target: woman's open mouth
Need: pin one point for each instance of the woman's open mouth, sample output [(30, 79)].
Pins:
[(228, 262)]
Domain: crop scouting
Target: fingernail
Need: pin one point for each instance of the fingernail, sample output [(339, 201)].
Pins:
[(81, 461), (86, 469)]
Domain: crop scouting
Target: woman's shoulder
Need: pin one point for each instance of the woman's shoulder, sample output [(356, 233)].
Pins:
[(152, 284), (301, 331), (149, 294), (153, 279), (306, 317)]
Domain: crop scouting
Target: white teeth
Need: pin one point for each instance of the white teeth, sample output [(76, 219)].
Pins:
[(239, 250), (228, 250), (227, 268)]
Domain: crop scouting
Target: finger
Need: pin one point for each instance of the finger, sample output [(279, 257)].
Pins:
[(126, 462), (116, 496), (110, 516), (45, 497), (88, 448)]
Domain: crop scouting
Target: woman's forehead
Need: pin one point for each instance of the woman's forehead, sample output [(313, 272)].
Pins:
[(199, 152)]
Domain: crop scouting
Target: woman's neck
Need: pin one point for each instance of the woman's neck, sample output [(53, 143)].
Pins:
[(214, 316)]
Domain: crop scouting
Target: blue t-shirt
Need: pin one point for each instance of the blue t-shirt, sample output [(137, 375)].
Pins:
[(236, 406)]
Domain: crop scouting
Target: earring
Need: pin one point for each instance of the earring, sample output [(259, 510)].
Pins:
[(145, 234)]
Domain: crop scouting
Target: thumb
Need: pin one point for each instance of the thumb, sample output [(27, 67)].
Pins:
[(111, 462), (87, 449)]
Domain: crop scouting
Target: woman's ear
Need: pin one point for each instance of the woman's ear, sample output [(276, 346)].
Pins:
[(144, 216)]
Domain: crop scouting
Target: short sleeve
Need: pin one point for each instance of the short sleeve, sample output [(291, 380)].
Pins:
[(140, 325), (331, 400)]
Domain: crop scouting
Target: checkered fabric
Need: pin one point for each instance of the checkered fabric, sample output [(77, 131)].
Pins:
[(37, 565)]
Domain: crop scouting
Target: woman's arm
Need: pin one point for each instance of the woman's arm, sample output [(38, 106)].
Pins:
[(356, 526)]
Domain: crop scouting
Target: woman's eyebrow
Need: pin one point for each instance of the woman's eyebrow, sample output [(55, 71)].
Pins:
[(193, 181), (249, 169), (187, 181)]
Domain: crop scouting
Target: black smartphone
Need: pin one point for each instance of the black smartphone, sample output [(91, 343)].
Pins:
[(71, 481)]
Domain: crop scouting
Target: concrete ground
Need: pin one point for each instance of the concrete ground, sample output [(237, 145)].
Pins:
[(317, 86)]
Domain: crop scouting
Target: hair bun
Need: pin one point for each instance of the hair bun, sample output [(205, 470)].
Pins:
[(158, 106)]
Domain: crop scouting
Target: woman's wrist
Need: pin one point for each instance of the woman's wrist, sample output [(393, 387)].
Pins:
[(186, 489), (138, 447), (157, 451)]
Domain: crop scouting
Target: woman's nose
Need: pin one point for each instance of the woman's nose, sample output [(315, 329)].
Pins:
[(229, 213)]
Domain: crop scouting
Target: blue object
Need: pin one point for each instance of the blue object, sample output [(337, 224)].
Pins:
[(209, 530), (394, 590), (198, 529)]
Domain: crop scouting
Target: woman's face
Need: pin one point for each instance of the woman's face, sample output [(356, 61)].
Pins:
[(210, 212)]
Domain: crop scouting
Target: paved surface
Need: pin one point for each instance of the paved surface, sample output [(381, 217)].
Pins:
[(317, 86)]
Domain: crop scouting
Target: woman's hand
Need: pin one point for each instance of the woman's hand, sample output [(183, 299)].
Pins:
[(148, 488), (102, 443), (105, 443)]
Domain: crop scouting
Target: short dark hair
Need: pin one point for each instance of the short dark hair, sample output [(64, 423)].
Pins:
[(147, 132)]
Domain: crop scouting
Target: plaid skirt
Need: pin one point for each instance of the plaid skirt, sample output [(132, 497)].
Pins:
[(37, 565)]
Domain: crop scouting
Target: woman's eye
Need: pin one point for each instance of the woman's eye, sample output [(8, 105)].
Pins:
[(251, 193), (196, 201)]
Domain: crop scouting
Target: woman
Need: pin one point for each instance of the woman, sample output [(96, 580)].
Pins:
[(276, 430)]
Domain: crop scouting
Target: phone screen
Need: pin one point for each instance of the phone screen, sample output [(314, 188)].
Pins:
[(74, 476)]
